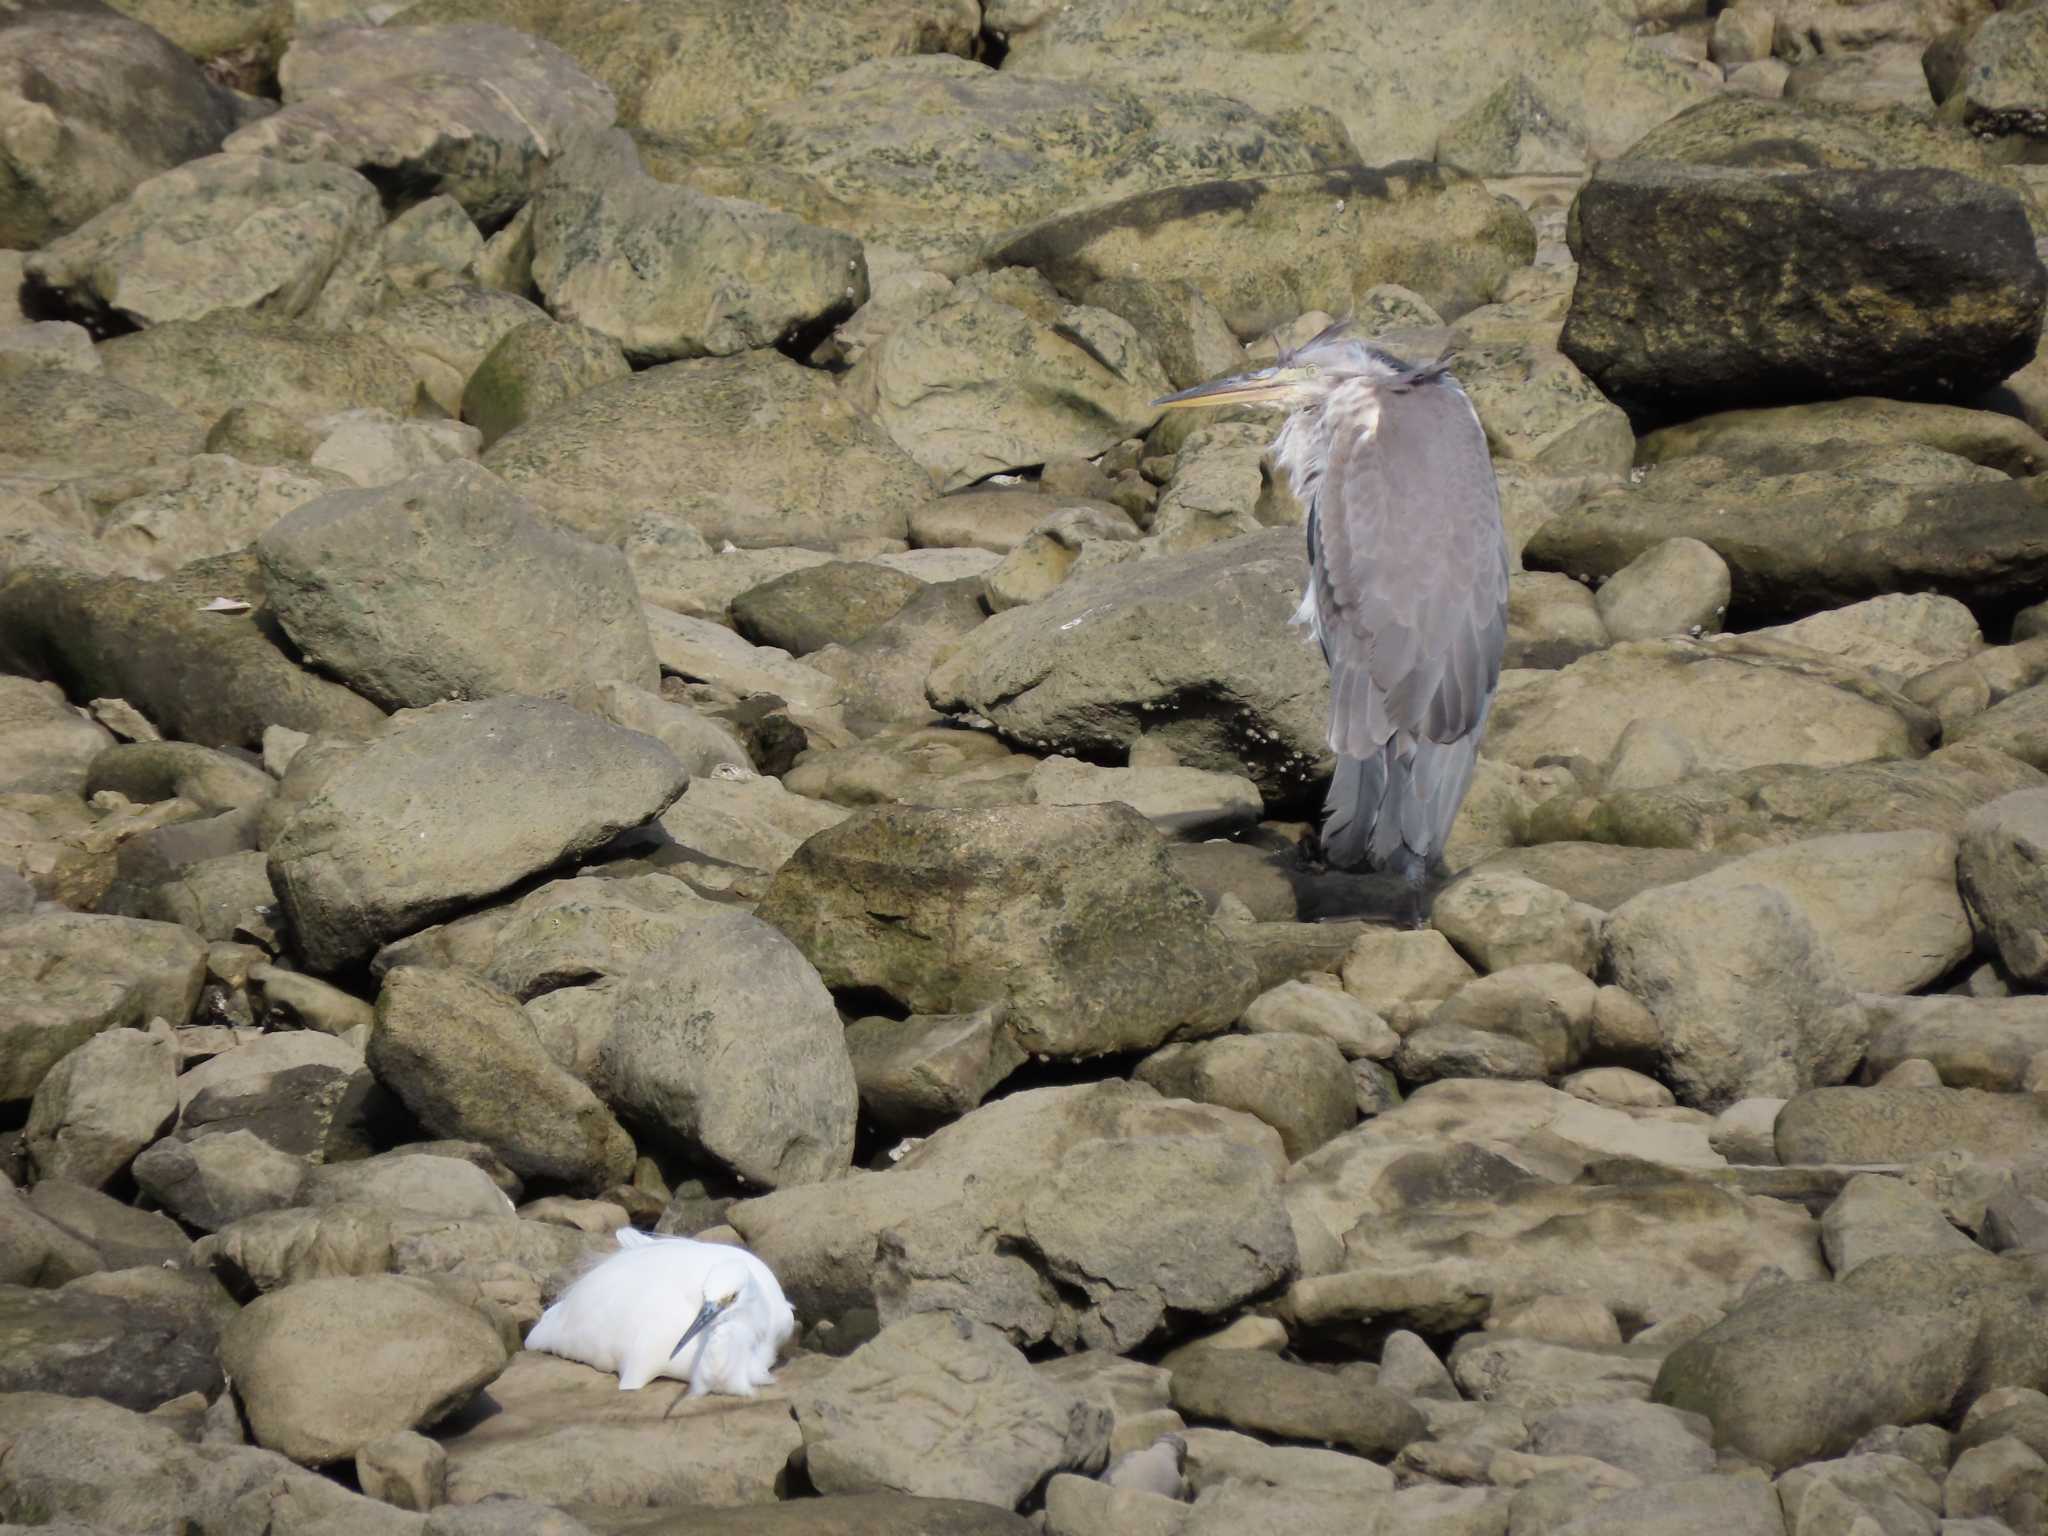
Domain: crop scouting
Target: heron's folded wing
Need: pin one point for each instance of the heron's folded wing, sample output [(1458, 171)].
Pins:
[(1410, 566)]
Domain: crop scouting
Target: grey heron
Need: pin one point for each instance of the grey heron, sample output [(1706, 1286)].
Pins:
[(1407, 589)]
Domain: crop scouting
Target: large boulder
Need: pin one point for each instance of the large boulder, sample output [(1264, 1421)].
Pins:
[(1897, 1123), (1971, 1042), (452, 804), (1749, 1000), (1734, 703), (137, 1351), (1081, 1216), (1783, 803), (890, 1417), (1069, 914), (1006, 377), (931, 160), (1472, 1194), (1739, 128), (470, 111), (1194, 650), (1800, 1372), (533, 368), (466, 1061), (1885, 904), (1265, 250), (185, 244), (69, 976), (668, 272), (1702, 287), (230, 358), (103, 1103), (101, 104), (205, 674), (1403, 77), (325, 1368), (1815, 528), (728, 1043), (1998, 79), (57, 424), (752, 449), (448, 585), (657, 58), (299, 1091)]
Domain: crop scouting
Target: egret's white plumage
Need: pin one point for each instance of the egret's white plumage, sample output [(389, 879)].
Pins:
[(628, 1315)]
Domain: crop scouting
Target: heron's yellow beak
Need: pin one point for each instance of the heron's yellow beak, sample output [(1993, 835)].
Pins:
[(1264, 384)]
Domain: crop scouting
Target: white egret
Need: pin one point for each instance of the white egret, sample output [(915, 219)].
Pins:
[(704, 1313)]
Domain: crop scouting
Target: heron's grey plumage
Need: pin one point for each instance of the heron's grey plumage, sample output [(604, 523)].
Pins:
[(1407, 588)]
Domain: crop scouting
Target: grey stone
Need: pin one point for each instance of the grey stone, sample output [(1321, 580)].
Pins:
[(737, 448), (208, 677), (1997, 867), (855, 899), (1713, 963), (533, 368), (1896, 1125), (1192, 649), (889, 1418), (467, 111), (1972, 1042), (302, 1092), (1399, 79), (1739, 1505), (326, 1367), (133, 1353), (1874, 1216), (1678, 587), (555, 782), (1297, 1084), (101, 1104), (1647, 222), (177, 247), (495, 600), (463, 1058), (1000, 143), (918, 1072), (1068, 1214), (211, 1181), (821, 605), (115, 103), (208, 365), (70, 975), (1735, 703), (670, 273), (1007, 376), (687, 1056), (1341, 232), (1255, 1391)]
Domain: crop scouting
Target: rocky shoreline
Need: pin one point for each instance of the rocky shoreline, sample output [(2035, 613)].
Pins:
[(598, 629)]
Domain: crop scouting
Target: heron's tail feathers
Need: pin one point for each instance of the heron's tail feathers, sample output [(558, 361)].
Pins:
[(1394, 810)]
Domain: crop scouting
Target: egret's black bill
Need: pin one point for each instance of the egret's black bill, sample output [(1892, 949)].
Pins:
[(704, 1316)]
